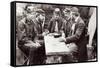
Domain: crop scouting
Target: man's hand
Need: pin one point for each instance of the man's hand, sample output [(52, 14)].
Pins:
[(32, 44), (90, 51), (62, 39), (90, 47), (45, 33)]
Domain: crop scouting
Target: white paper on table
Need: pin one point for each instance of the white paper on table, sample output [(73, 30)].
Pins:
[(52, 45)]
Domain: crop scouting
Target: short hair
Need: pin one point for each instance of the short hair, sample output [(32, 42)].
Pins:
[(67, 10), (26, 7), (57, 11), (75, 11)]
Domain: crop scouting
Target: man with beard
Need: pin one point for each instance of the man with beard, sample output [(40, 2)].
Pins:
[(39, 53), (31, 43)]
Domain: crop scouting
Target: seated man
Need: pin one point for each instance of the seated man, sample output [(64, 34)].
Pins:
[(68, 24), (67, 31), (78, 35), (32, 42), (56, 24)]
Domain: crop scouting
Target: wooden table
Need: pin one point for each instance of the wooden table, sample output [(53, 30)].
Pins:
[(55, 49)]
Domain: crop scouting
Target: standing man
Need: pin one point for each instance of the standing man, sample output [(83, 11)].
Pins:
[(78, 35)]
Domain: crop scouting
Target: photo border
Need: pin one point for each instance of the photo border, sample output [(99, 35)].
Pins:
[(13, 29)]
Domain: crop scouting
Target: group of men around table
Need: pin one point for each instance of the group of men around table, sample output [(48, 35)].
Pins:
[(31, 33)]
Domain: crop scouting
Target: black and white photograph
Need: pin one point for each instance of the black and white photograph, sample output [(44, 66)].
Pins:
[(49, 33)]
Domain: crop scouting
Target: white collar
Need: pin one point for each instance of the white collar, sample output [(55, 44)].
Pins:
[(76, 19)]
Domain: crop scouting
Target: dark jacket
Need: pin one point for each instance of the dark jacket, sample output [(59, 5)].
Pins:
[(52, 23), (79, 39), (37, 56), (67, 27), (33, 31)]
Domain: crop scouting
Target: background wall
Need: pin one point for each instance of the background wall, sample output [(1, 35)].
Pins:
[(5, 33)]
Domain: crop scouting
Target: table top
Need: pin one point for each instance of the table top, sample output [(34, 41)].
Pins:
[(54, 47)]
